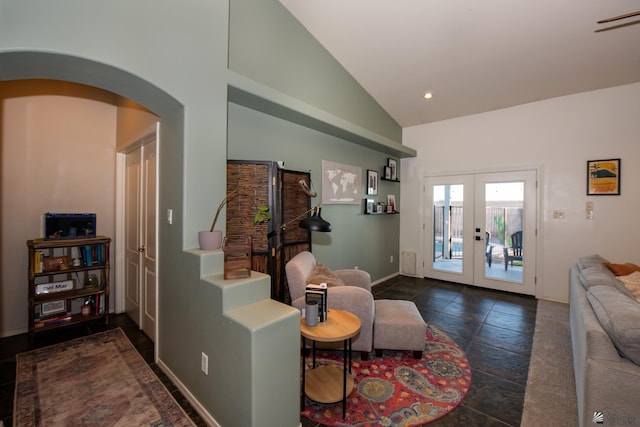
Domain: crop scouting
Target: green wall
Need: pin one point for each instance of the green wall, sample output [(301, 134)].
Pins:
[(366, 241), (267, 44)]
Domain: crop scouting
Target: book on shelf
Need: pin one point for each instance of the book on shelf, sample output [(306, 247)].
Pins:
[(88, 261), (40, 322), (99, 256), (38, 261)]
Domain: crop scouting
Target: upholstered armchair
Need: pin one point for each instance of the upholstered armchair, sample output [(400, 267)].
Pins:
[(353, 296)]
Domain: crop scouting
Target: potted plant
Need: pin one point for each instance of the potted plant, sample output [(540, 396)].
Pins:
[(212, 239)]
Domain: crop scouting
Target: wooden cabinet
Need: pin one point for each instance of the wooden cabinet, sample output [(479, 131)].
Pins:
[(68, 282)]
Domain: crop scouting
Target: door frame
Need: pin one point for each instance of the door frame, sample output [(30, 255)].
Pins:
[(538, 268)]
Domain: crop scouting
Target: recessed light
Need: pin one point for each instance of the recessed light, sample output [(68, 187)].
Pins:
[(428, 95)]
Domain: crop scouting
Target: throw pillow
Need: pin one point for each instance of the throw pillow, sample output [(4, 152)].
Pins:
[(322, 274), (632, 283), (621, 269)]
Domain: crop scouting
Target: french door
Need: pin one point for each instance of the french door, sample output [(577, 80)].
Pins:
[(481, 230), (140, 288)]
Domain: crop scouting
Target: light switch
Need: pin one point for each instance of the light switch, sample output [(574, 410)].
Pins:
[(558, 214), (589, 210), (169, 216)]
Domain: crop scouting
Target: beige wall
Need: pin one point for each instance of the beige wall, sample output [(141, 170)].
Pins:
[(58, 155), (134, 121)]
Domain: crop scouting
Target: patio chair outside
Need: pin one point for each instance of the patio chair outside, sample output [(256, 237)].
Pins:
[(513, 252)]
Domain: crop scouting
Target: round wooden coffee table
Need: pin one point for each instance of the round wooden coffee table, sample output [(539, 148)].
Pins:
[(329, 383)]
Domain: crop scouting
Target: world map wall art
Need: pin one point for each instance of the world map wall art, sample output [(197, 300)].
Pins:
[(341, 183)]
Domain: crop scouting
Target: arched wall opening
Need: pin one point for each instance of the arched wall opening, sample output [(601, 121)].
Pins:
[(51, 66)]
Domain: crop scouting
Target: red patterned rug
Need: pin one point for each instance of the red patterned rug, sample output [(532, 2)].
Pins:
[(97, 381), (398, 390)]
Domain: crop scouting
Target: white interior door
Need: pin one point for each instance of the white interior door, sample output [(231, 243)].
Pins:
[(470, 223), (141, 234), (132, 230), (149, 238)]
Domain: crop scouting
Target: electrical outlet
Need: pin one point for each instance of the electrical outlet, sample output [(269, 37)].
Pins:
[(391, 259), (204, 363)]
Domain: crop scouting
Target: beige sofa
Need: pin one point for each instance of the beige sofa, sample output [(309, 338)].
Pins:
[(605, 336)]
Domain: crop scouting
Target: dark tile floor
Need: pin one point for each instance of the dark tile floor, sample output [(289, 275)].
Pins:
[(495, 329)]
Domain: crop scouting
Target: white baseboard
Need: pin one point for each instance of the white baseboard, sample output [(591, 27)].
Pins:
[(391, 276), (206, 416)]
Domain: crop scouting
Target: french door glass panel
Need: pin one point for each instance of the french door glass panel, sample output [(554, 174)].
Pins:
[(475, 223)]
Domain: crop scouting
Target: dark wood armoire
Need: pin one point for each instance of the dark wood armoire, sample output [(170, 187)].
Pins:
[(264, 183)]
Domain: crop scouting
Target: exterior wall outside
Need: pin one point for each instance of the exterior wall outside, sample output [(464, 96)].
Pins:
[(557, 137)]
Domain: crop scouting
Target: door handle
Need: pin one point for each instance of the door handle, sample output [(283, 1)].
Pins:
[(141, 249)]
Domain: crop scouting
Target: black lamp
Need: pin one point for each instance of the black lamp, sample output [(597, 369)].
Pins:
[(314, 222)]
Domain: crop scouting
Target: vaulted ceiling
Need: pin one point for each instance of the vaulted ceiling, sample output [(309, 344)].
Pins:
[(474, 56)]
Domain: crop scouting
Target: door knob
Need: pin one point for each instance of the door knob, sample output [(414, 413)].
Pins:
[(141, 249)]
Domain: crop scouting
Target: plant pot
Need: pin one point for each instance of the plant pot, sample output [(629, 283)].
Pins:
[(210, 240)]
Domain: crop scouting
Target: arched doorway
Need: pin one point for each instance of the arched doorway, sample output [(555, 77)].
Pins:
[(52, 66)]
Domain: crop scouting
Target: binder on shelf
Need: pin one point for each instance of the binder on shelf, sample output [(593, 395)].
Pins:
[(318, 293)]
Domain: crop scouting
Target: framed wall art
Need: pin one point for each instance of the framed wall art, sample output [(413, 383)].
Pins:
[(603, 177), (391, 202), (372, 182), (370, 206), (393, 165), (341, 183), (387, 173)]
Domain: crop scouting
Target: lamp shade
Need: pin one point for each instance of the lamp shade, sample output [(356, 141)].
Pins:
[(315, 222)]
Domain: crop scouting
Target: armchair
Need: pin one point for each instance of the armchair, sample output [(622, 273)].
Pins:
[(355, 296)]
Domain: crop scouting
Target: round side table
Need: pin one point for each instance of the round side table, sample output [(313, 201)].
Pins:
[(329, 383)]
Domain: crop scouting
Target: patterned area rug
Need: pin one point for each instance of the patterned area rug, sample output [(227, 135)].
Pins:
[(398, 390), (98, 380)]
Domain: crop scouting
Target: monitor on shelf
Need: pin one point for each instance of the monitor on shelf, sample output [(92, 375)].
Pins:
[(59, 226)]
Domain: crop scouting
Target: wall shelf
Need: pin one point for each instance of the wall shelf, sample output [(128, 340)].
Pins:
[(382, 213)]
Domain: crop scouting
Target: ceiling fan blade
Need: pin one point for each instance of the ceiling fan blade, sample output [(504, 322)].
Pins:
[(617, 18)]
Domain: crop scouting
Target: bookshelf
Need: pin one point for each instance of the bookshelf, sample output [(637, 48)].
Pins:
[(68, 282)]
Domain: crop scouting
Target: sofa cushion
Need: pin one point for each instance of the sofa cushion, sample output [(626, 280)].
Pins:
[(631, 284), (596, 276), (622, 269), (590, 261), (322, 274), (619, 316)]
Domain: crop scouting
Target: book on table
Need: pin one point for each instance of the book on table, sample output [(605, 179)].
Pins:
[(318, 293)]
